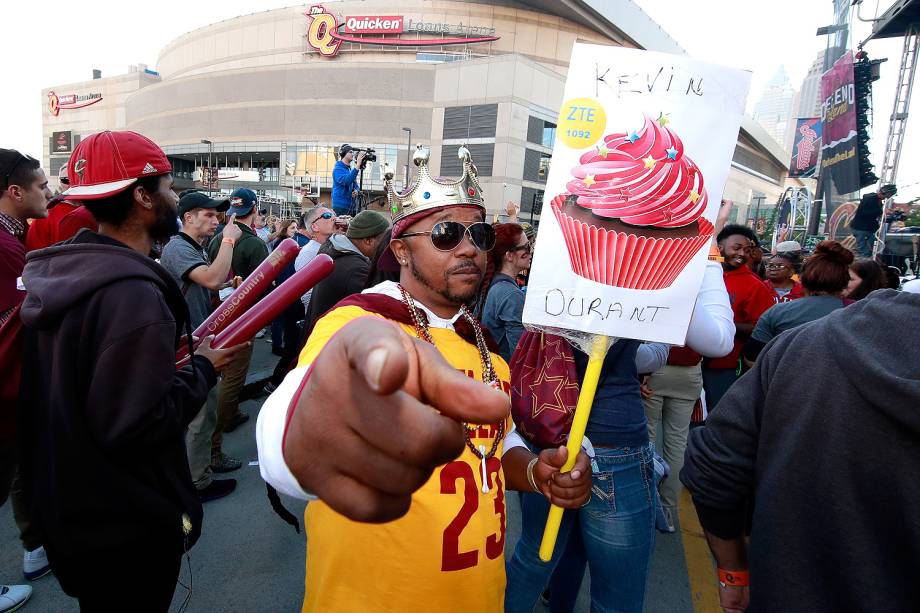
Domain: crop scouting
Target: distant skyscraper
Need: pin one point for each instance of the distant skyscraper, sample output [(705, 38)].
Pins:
[(807, 102), (774, 108), (810, 93)]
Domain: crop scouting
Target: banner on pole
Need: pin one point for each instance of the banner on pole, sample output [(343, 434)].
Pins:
[(838, 118), (805, 146)]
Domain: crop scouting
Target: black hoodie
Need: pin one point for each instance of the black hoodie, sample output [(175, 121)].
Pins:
[(103, 409), (347, 278), (823, 434)]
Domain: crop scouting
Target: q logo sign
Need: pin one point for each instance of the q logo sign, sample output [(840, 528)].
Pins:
[(54, 105), (319, 34)]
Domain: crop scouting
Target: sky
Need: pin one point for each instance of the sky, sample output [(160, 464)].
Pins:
[(761, 36), (57, 42)]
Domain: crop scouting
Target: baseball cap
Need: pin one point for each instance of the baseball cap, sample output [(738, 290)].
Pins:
[(787, 246), (242, 201), (107, 163), (199, 200)]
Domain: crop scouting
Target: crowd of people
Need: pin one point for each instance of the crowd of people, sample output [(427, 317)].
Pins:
[(108, 449)]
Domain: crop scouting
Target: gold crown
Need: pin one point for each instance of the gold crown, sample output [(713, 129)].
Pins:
[(429, 193)]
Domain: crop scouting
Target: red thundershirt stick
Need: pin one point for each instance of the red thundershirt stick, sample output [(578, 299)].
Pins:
[(270, 307), (244, 296)]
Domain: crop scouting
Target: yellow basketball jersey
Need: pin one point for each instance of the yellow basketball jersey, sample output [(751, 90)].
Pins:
[(447, 553)]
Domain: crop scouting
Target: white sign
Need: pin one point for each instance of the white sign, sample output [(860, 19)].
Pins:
[(643, 147)]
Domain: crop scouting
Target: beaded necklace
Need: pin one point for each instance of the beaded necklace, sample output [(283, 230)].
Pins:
[(488, 375)]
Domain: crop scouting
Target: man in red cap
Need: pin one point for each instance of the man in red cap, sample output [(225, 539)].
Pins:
[(104, 462), (368, 422), (65, 218)]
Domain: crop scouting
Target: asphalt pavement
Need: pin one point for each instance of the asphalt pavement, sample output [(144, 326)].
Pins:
[(249, 560)]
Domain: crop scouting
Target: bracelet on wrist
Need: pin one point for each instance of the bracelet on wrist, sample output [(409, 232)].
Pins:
[(530, 478), (228, 241), (734, 578)]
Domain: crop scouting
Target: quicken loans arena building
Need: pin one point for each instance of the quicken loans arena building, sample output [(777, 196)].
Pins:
[(264, 100)]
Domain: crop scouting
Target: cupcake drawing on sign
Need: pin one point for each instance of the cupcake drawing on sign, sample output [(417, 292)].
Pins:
[(632, 216)]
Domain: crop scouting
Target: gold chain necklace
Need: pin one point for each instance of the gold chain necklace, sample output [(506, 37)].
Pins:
[(488, 375)]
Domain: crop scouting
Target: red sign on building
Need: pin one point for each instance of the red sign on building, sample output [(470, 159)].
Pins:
[(374, 24)]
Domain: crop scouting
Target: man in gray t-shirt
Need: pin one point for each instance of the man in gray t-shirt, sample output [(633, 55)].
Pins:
[(188, 263), (180, 256)]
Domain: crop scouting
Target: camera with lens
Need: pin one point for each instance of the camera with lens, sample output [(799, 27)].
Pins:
[(370, 155), (896, 215)]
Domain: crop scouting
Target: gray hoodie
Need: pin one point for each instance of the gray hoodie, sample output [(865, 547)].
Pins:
[(821, 442)]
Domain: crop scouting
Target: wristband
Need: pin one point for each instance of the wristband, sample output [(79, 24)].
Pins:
[(228, 241), (530, 478), (734, 578)]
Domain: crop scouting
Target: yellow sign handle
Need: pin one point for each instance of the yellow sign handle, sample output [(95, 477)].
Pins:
[(579, 424)]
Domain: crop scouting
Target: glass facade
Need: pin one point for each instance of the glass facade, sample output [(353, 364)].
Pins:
[(549, 134), (318, 159), (259, 165)]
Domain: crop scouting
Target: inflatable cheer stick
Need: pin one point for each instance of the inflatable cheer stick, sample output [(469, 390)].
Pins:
[(243, 297), (579, 424), (270, 307)]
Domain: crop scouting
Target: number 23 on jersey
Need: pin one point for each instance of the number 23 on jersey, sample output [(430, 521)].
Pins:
[(458, 477)]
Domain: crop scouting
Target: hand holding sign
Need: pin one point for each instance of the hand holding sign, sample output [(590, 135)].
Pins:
[(644, 146)]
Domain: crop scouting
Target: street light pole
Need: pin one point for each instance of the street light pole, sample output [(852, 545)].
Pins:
[(408, 155), (210, 145)]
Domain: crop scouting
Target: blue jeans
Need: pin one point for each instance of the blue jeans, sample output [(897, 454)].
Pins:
[(614, 534), (865, 240)]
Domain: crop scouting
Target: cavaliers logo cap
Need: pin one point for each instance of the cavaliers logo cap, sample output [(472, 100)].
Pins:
[(107, 163)]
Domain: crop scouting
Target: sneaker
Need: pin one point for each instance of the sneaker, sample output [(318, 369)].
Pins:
[(222, 463), (218, 488), (260, 333), (35, 564), (13, 596), (240, 419)]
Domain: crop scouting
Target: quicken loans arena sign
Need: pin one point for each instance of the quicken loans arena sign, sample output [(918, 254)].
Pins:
[(326, 32)]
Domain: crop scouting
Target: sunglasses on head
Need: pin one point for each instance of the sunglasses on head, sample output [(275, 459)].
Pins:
[(447, 235)]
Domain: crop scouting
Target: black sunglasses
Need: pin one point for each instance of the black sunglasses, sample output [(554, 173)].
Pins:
[(447, 235), (9, 173), (528, 247)]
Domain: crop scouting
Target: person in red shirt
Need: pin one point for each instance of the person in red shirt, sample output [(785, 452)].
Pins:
[(780, 270), (749, 298), (64, 220)]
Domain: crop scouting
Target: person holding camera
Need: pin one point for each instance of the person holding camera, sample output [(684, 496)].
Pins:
[(344, 180), (866, 220)]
